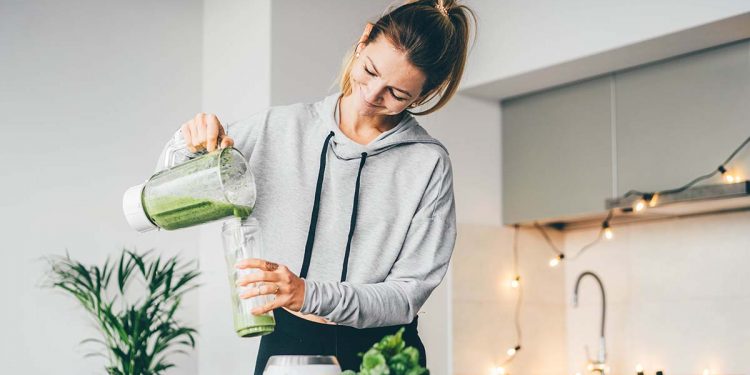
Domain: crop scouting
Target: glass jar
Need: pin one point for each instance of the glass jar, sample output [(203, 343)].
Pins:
[(242, 240)]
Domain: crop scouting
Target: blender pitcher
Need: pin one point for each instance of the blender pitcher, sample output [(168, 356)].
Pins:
[(210, 187), (242, 240)]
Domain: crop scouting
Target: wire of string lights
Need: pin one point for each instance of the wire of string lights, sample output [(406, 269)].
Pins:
[(516, 284), (647, 199)]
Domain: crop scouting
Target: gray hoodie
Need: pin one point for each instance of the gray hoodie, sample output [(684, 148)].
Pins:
[(370, 228)]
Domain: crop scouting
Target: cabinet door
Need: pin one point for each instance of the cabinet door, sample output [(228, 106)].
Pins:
[(557, 154), (680, 119)]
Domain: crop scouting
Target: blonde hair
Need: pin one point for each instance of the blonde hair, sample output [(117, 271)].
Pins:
[(434, 35)]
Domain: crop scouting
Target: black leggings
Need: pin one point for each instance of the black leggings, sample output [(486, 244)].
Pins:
[(296, 336)]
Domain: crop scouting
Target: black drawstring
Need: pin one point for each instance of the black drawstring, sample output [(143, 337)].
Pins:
[(316, 208), (353, 222)]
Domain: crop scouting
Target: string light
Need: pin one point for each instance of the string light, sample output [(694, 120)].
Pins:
[(721, 169), (515, 283), (554, 262), (639, 205), (647, 199), (639, 369), (498, 370), (607, 230), (654, 200)]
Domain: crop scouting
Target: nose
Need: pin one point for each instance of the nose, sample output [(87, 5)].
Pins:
[(375, 91)]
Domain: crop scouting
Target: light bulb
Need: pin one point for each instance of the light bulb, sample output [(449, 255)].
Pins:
[(515, 283), (639, 368), (590, 367), (498, 371), (639, 205), (512, 351), (607, 230), (654, 200), (706, 372), (554, 262), (729, 178)]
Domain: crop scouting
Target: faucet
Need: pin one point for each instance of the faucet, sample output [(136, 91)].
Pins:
[(599, 365)]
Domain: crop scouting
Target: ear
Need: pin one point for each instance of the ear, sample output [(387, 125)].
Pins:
[(365, 35)]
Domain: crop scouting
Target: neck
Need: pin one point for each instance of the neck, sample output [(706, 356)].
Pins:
[(363, 126)]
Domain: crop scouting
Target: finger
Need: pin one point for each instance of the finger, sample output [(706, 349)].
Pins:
[(256, 277), (276, 303), (194, 138), (187, 137), (226, 141), (271, 266), (256, 263), (201, 127), (265, 289), (213, 127)]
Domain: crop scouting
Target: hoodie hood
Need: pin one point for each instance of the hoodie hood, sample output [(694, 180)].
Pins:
[(407, 131)]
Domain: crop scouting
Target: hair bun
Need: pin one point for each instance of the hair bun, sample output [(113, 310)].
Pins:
[(441, 7)]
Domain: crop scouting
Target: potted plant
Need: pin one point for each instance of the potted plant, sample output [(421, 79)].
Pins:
[(137, 337)]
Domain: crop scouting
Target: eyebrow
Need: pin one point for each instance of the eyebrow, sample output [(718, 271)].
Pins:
[(376, 71)]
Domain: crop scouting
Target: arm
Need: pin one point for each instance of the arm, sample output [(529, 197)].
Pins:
[(419, 268)]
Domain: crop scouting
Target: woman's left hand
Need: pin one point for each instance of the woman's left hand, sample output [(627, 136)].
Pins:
[(277, 280)]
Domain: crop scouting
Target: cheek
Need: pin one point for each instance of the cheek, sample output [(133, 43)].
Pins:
[(358, 77), (396, 107)]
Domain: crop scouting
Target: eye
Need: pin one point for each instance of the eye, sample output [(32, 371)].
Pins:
[(396, 96), (369, 72)]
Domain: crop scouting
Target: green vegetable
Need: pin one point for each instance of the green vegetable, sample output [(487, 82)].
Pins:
[(390, 356)]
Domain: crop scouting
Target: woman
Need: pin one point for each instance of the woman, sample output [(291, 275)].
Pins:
[(355, 198)]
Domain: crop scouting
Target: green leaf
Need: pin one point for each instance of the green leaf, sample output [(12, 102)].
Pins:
[(372, 359), (138, 336)]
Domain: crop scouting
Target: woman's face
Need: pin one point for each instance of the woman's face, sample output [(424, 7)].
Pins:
[(383, 81)]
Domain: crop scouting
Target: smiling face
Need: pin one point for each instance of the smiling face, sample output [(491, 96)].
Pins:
[(383, 80)]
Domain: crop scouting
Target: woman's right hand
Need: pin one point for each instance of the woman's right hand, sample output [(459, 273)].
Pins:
[(205, 132)]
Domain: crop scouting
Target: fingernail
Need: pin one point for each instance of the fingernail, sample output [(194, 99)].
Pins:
[(270, 266)]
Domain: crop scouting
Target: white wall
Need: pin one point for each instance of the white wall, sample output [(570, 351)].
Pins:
[(522, 36), (481, 301), (470, 130), (236, 84), (677, 296), (307, 50), (90, 91)]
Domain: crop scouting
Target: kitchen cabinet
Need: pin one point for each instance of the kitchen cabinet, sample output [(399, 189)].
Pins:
[(658, 126), (680, 119), (556, 156)]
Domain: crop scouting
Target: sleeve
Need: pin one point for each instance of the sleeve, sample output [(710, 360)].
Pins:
[(245, 134), (419, 269)]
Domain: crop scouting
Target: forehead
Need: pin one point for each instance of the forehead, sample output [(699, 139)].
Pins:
[(393, 64)]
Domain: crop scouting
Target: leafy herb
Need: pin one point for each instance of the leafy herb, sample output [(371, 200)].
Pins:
[(390, 356)]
